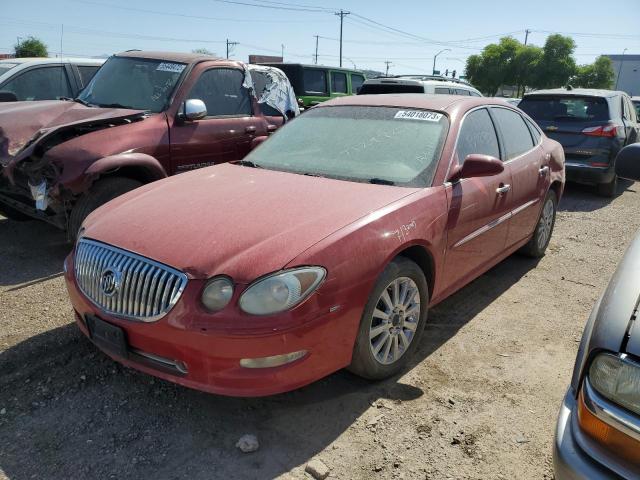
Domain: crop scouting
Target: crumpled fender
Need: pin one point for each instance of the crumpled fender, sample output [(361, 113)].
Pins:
[(150, 168)]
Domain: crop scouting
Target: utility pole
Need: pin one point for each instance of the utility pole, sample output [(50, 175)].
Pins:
[(341, 14), (526, 35), (282, 52), (316, 56), (387, 63), (526, 38), (230, 44)]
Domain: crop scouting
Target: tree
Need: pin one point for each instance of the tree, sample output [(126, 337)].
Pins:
[(31, 47), (556, 66), (494, 66), (598, 74), (203, 51)]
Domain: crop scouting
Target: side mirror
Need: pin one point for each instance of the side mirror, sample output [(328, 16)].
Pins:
[(477, 165), (8, 96), (628, 162), (193, 109)]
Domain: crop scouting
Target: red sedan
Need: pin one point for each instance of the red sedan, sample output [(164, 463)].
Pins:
[(322, 249)]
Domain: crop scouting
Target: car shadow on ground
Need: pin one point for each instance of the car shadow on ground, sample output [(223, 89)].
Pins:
[(30, 251), (71, 412), (584, 198)]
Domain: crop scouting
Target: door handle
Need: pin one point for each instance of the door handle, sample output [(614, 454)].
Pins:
[(271, 128), (250, 129), (543, 170), (502, 189)]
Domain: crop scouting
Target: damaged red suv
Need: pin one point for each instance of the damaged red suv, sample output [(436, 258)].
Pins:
[(144, 116), (324, 248)]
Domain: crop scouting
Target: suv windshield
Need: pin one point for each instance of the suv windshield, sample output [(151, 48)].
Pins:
[(5, 67), (364, 144), (138, 83), (567, 108)]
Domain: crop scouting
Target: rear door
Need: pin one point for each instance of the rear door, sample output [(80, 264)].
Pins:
[(530, 171), (339, 86), (479, 208), (229, 127)]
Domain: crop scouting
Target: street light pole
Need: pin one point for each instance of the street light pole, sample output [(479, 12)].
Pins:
[(620, 69), (436, 56)]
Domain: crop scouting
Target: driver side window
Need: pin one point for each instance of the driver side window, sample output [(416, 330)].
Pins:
[(477, 135), (222, 92)]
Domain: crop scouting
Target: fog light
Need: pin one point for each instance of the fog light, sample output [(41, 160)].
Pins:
[(274, 361)]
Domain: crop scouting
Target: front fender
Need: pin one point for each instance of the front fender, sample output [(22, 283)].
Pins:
[(150, 167)]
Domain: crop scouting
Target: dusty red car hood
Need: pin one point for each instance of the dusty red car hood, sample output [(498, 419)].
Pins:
[(240, 221), (20, 121)]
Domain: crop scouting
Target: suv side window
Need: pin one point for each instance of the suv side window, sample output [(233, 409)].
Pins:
[(315, 82), (44, 83), (86, 73), (338, 82), (222, 92), (515, 133), (461, 91), (356, 83), (441, 91), (477, 135)]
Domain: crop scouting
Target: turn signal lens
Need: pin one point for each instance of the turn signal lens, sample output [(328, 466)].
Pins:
[(619, 444)]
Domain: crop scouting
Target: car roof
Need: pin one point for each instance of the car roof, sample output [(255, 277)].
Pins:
[(583, 92), (44, 60), (413, 100), (178, 57)]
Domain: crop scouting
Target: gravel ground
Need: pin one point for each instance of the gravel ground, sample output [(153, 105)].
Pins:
[(480, 400)]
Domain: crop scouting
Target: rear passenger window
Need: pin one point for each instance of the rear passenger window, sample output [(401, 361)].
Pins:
[(86, 73), (222, 91), (315, 82), (477, 135), (515, 133), (474, 94), (338, 82), (441, 91), (460, 91), (356, 83), (535, 133)]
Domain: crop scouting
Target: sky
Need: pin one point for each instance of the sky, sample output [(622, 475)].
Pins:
[(406, 33)]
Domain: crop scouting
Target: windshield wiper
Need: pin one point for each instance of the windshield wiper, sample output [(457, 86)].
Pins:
[(381, 181), (247, 163), (114, 105)]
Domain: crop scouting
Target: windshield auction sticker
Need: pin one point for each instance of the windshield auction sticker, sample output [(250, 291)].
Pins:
[(418, 115), (171, 67)]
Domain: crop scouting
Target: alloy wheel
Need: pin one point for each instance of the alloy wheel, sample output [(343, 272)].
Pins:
[(546, 223)]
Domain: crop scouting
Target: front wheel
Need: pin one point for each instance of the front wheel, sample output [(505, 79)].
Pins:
[(542, 234), (392, 321)]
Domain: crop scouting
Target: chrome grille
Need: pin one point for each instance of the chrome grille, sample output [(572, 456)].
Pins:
[(125, 284)]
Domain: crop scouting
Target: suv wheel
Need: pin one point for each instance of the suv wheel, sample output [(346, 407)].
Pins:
[(392, 321), (101, 192)]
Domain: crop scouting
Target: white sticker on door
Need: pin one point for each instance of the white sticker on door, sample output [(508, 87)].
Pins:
[(418, 115)]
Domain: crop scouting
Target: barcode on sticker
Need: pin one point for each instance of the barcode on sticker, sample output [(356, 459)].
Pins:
[(171, 67), (418, 115)]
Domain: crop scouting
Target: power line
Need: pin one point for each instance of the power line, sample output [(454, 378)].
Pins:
[(276, 7)]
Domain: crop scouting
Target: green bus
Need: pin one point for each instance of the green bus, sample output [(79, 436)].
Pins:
[(314, 84)]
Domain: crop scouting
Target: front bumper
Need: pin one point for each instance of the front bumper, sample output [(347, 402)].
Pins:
[(20, 200), (209, 360)]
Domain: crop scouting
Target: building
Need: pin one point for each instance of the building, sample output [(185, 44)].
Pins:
[(628, 69)]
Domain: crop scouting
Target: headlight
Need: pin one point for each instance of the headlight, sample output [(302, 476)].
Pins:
[(217, 294), (618, 379), (281, 291)]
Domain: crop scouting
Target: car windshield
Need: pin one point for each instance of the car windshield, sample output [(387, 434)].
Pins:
[(568, 108), (390, 146), (5, 67), (138, 83)]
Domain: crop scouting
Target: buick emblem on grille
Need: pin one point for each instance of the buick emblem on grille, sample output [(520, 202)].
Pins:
[(110, 281)]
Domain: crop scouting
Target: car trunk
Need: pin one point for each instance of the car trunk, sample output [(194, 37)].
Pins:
[(576, 122)]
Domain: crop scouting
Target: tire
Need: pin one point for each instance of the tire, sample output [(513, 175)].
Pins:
[(13, 214), (608, 189), (365, 362), (100, 193), (544, 228)]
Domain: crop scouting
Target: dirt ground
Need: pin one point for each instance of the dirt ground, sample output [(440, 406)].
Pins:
[(480, 400)]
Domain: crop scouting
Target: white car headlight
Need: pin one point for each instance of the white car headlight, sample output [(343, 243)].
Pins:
[(217, 294), (618, 379), (281, 291)]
